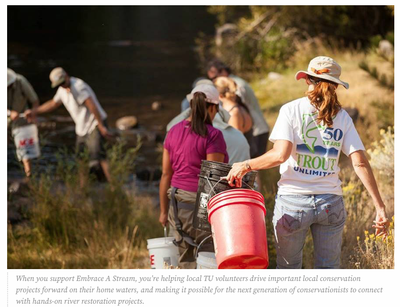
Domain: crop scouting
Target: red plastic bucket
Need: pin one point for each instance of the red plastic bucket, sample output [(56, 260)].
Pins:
[(237, 219)]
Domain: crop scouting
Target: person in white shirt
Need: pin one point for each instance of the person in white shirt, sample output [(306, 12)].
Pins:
[(308, 137), (89, 117)]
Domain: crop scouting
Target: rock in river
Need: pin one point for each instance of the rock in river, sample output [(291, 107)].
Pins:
[(126, 123)]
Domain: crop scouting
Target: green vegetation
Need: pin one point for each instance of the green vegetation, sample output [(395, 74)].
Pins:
[(76, 222), (264, 38)]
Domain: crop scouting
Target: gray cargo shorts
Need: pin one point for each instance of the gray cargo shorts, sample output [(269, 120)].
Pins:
[(94, 143)]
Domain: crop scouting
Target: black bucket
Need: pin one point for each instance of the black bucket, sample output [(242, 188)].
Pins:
[(210, 185)]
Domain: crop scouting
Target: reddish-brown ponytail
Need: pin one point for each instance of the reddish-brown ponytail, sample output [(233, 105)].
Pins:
[(325, 100)]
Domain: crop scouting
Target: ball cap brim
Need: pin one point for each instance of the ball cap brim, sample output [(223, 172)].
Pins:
[(57, 76), (209, 90)]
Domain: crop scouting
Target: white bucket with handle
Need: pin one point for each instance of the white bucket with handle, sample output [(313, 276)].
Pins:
[(27, 142), (206, 261), (163, 252)]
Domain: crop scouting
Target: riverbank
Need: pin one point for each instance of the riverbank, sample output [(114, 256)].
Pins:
[(65, 222), (58, 224)]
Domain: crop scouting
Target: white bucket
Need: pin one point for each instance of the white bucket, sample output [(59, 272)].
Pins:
[(27, 142), (162, 250), (206, 261)]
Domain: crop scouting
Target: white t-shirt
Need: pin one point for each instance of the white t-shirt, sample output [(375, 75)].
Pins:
[(73, 101), (312, 167)]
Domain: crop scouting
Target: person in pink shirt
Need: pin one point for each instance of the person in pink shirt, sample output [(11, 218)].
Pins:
[(186, 145)]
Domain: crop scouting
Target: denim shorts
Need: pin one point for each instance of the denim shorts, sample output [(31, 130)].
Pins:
[(294, 215)]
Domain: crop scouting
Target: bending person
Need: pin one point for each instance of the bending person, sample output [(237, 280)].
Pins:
[(308, 136), (90, 119), (187, 143)]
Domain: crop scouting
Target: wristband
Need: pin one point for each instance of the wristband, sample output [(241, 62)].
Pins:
[(247, 164)]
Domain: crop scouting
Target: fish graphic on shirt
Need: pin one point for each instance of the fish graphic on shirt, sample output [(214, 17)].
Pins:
[(309, 124)]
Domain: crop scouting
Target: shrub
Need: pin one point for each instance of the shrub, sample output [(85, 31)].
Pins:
[(382, 156), (263, 38), (375, 252)]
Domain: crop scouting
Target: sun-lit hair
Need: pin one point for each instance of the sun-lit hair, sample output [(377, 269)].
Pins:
[(325, 100), (227, 88)]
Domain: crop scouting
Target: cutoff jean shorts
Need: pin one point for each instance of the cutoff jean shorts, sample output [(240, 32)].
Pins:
[(294, 215)]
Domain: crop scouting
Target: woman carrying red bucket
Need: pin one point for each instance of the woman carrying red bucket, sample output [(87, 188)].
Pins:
[(186, 145), (308, 137)]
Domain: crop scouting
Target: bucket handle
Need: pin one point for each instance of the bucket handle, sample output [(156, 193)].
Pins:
[(222, 178), (247, 185), (212, 186), (201, 243), (243, 182), (165, 234)]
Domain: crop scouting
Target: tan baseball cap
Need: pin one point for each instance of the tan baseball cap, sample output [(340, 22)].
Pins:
[(11, 77), (323, 67), (57, 76), (212, 95)]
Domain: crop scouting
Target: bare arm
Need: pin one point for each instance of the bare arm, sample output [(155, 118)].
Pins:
[(217, 157), (363, 170), (165, 183), (35, 104), (272, 158), (95, 111), (48, 106)]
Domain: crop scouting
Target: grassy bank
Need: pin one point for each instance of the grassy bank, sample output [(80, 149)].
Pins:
[(73, 221)]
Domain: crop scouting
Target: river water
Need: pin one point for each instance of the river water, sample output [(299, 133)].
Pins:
[(130, 56)]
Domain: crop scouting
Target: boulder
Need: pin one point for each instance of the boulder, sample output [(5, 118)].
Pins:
[(155, 106), (386, 49), (274, 76), (126, 123)]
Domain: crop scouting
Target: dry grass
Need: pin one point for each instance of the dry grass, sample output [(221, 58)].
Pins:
[(375, 252), (364, 93), (108, 228), (99, 227)]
